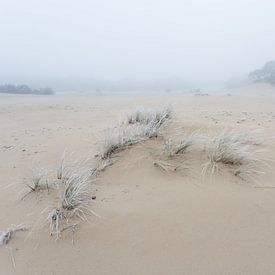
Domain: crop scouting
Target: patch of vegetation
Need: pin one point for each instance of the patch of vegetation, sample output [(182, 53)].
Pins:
[(265, 74), (24, 89)]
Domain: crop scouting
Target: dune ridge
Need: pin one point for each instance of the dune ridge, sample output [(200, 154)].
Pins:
[(152, 221)]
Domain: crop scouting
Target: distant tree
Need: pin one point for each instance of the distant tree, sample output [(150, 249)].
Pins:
[(15, 89), (265, 74)]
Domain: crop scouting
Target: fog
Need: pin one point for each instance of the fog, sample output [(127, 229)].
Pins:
[(196, 41)]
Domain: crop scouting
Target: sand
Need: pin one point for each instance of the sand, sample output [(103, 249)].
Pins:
[(151, 222)]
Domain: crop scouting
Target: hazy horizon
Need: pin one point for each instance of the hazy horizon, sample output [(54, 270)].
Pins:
[(142, 41)]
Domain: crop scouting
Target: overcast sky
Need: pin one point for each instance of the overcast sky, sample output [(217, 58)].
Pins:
[(141, 39)]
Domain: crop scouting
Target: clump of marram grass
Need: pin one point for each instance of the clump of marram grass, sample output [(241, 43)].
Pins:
[(75, 192), (150, 121), (68, 165), (172, 148), (117, 139), (148, 116), (251, 137), (71, 179), (170, 157), (74, 199), (235, 150), (5, 236), (43, 179), (250, 170), (40, 181), (137, 127)]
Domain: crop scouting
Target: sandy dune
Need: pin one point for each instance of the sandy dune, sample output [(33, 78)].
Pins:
[(151, 222)]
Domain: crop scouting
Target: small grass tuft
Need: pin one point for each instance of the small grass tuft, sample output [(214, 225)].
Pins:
[(40, 181), (74, 200), (236, 150), (171, 156), (150, 116)]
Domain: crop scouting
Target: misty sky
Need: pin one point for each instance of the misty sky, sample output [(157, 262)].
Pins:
[(142, 39)]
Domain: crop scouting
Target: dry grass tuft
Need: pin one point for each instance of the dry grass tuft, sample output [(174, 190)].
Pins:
[(75, 192), (43, 179), (118, 139), (5, 236), (149, 116), (138, 126), (171, 155), (72, 180), (249, 170), (40, 181), (236, 150), (172, 149), (74, 200), (68, 165)]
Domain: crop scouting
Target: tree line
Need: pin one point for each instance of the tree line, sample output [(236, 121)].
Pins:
[(265, 74), (24, 89)]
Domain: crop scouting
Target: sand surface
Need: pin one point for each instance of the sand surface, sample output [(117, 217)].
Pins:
[(151, 222)]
